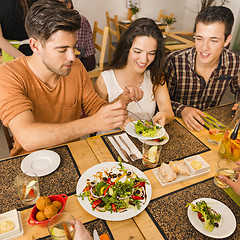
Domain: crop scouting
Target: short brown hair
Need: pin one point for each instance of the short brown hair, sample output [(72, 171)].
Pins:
[(45, 17)]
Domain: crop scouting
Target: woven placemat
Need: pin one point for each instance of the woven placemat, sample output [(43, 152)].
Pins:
[(169, 212), (181, 144), (98, 224), (189, 37), (63, 180), (224, 113)]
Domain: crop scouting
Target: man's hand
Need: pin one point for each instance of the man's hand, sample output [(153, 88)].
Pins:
[(191, 117), (160, 119), (110, 116), (129, 93), (81, 232), (234, 185)]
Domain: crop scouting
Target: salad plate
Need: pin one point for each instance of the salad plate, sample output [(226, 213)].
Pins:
[(164, 141), (42, 162), (228, 221), (130, 129), (90, 175)]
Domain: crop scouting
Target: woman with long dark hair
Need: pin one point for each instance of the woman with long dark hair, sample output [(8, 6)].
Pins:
[(138, 66), (12, 30)]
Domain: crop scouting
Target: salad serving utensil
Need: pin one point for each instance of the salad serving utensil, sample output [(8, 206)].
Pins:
[(131, 154), (122, 150), (234, 134), (142, 121), (136, 101)]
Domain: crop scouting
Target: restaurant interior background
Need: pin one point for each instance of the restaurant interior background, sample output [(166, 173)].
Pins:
[(185, 12)]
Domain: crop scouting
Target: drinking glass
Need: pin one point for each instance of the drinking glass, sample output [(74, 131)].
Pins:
[(151, 153), (62, 226), (215, 135), (27, 187), (227, 168)]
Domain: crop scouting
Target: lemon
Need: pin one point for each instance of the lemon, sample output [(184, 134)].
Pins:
[(152, 153), (58, 233), (222, 149)]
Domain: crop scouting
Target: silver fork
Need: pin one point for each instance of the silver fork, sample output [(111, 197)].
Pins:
[(131, 154), (142, 121), (136, 101)]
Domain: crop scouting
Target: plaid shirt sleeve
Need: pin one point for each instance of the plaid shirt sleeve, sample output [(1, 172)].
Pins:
[(85, 39), (170, 74)]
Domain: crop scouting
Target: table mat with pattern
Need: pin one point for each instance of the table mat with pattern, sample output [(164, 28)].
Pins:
[(63, 180), (98, 224), (189, 37), (222, 113), (169, 212), (181, 144)]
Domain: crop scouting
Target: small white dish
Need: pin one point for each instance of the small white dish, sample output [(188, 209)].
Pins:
[(161, 143), (180, 177), (198, 158), (228, 220), (15, 217), (42, 162), (130, 129), (159, 23), (125, 21)]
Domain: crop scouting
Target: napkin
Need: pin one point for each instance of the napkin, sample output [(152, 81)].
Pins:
[(129, 143)]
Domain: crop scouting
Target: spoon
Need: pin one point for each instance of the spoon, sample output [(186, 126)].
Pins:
[(235, 131)]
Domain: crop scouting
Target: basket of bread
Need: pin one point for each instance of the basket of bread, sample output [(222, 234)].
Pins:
[(46, 207)]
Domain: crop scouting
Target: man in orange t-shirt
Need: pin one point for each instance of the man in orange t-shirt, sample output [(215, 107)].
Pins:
[(43, 96)]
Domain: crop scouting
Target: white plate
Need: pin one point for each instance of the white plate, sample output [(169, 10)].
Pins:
[(161, 143), (130, 129), (180, 177), (42, 162), (228, 221), (115, 216), (125, 21)]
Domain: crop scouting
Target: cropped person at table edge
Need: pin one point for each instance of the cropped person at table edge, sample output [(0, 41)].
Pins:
[(43, 95), (138, 64), (199, 76)]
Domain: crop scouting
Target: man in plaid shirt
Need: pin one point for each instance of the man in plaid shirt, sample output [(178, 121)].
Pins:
[(198, 77), (85, 45)]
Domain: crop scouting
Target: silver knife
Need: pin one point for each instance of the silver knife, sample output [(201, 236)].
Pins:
[(122, 150), (95, 235)]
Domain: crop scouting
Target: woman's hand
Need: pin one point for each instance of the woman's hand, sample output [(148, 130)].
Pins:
[(160, 118), (129, 93)]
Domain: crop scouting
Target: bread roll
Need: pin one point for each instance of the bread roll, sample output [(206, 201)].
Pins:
[(166, 174), (180, 167)]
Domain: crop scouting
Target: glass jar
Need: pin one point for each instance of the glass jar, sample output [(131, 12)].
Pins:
[(230, 148)]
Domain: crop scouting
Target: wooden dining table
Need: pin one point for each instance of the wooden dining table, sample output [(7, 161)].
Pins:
[(93, 150)]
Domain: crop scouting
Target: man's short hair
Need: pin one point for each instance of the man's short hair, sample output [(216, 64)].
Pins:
[(216, 14), (45, 17)]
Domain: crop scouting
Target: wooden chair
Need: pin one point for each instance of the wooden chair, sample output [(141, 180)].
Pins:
[(114, 34), (8, 136), (161, 16), (100, 47)]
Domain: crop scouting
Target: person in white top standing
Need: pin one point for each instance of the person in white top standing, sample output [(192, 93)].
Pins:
[(137, 66)]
